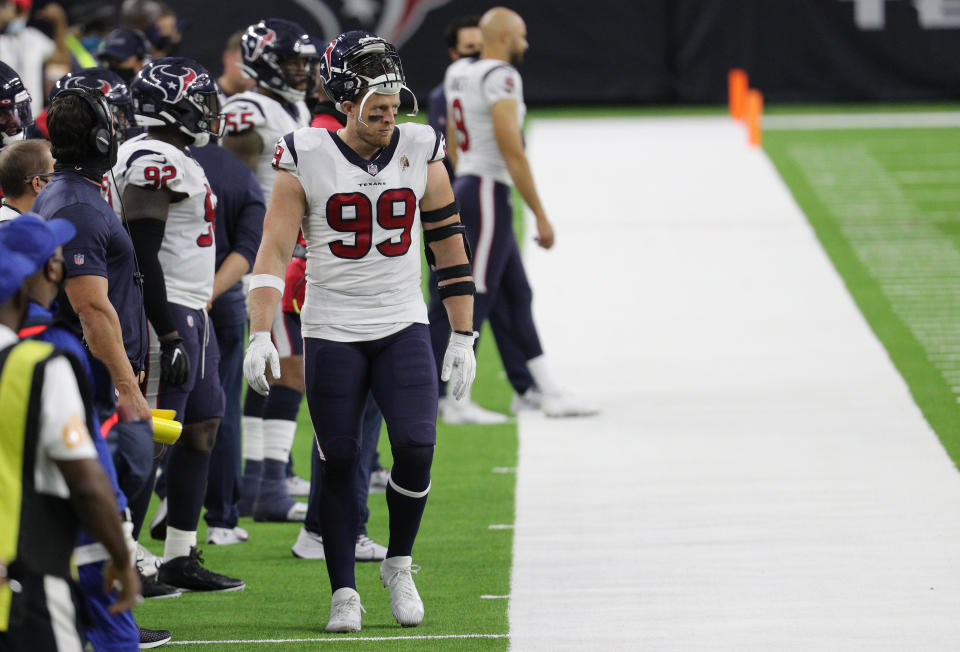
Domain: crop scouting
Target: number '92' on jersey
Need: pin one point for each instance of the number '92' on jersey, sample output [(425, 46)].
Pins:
[(362, 227), (187, 254)]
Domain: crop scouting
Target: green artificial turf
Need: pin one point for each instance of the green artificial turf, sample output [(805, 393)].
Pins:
[(885, 204)]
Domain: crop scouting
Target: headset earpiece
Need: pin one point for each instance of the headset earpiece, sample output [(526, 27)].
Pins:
[(100, 138)]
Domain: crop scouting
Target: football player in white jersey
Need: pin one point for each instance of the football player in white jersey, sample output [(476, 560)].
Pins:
[(361, 195), (162, 193), (485, 113), (280, 56)]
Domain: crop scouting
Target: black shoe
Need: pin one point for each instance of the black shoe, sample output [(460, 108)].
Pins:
[(187, 573), (153, 637), (150, 587)]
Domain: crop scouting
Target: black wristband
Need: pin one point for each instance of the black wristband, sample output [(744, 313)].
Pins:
[(467, 333)]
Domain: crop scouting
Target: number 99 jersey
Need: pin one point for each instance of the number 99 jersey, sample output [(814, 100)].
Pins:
[(362, 228), (188, 252)]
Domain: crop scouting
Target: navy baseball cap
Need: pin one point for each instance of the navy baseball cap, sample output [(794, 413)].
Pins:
[(31, 238), (121, 44)]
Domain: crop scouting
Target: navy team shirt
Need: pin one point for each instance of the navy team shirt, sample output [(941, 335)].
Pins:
[(101, 247), (238, 222)]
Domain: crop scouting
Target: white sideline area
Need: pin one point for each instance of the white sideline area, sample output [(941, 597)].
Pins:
[(760, 478)]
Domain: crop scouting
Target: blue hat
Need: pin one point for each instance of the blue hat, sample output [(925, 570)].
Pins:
[(14, 268), (31, 238), (121, 44)]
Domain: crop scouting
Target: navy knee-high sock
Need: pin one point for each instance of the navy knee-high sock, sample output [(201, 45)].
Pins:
[(411, 475), (187, 486), (338, 520)]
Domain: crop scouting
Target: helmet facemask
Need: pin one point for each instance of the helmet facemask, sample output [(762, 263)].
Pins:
[(377, 69), (15, 118), (210, 122)]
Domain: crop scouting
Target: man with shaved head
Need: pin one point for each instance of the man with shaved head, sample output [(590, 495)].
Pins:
[(485, 113)]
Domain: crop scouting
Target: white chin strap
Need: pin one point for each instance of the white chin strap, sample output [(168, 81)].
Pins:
[(388, 88), (9, 140)]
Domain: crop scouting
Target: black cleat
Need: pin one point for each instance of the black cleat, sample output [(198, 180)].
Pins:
[(151, 588), (153, 637), (188, 574)]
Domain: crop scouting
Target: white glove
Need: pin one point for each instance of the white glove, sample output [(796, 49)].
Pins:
[(459, 364), (259, 353)]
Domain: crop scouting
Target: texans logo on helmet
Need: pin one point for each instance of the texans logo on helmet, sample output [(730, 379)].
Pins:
[(77, 82), (253, 49), (173, 81)]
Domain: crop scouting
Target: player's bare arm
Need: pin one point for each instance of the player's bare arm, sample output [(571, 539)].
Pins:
[(288, 204), (246, 146), (103, 334), (231, 270), (450, 252), (506, 129)]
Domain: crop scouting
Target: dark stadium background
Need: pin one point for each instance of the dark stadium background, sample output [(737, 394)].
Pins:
[(653, 51)]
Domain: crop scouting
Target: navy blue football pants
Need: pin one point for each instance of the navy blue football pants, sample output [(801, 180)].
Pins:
[(223, 484)]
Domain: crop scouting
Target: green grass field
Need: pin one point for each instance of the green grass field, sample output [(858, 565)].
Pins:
[(885, 205)]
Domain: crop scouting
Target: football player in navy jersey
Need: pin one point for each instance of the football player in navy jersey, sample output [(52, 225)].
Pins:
[(360, 195)]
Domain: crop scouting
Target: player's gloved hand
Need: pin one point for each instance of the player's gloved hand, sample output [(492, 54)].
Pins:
[(174, 362), (260, 352), (459, 363)]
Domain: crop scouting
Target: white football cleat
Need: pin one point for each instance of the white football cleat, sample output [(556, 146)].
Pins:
[(466, 411), (405, 603), (147, 562), (378, 480), (225, 536), (308, 545), (567, 405), (345, 611), (369, 550), (530, 401), (298, 487)]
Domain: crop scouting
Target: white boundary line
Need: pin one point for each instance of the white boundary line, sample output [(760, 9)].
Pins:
[(800, 121), (339, 639)]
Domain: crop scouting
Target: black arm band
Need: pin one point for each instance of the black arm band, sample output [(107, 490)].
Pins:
[(444, 232), (440, 214), (447, 273), (462, 288), (147, 235)]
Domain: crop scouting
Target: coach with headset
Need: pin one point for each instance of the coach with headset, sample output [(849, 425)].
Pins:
[(103, 287)]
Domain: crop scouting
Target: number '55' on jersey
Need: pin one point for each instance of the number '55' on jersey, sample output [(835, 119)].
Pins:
[(188, 252), (362, 225)]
